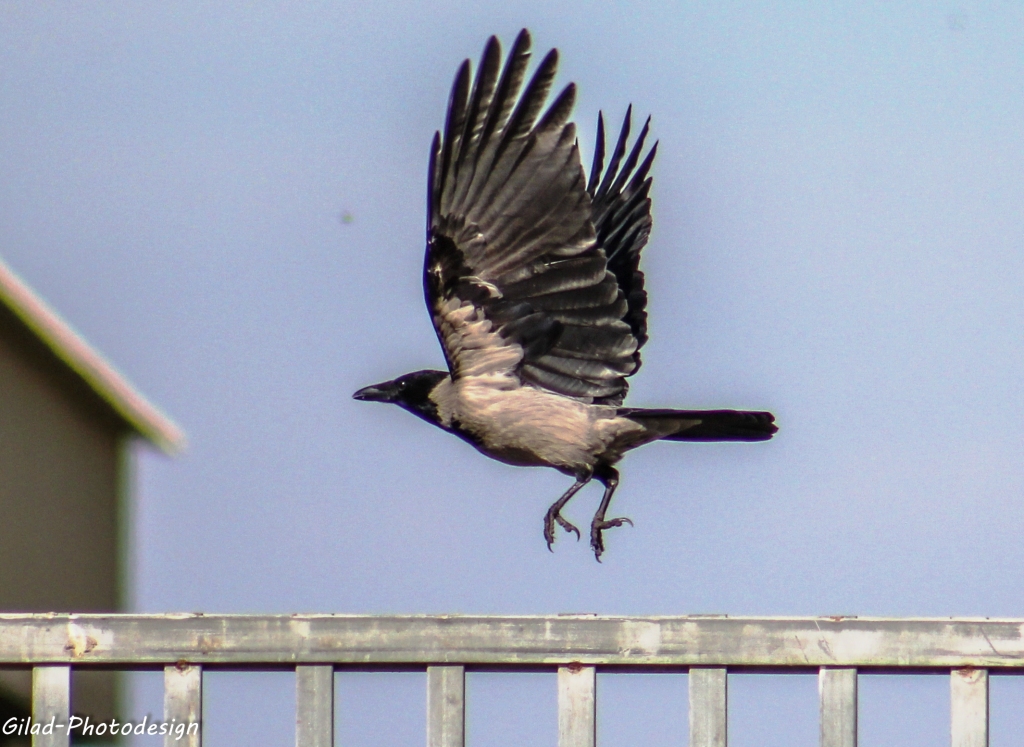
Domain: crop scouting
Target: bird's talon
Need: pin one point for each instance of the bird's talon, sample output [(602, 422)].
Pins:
[(596, 533), (567, 526), (549, 527)]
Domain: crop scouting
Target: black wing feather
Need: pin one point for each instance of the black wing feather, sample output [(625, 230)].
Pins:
[(617, 154), (598, 165), (456, 119), (483, 90)]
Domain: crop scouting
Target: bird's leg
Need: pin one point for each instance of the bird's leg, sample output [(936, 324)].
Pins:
[(553, 515), (609, 477)]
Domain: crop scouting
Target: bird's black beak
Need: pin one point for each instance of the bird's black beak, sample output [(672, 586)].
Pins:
[(375, 393)]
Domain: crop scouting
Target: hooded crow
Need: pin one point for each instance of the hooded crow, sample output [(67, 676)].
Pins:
[(532, 282)]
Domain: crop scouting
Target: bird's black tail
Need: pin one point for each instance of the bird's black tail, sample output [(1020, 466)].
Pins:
[(704, 425)]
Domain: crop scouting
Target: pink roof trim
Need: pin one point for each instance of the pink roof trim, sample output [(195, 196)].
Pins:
[(76, 353)]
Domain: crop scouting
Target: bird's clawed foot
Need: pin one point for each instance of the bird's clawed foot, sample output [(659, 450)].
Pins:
[(554, 514), (597, 527), (550, 519), (610, 477)]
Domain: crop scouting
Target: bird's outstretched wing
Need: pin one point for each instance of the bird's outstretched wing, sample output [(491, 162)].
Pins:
[(516, 278)]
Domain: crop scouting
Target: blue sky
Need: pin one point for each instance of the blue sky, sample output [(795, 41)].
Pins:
[(838, 238)]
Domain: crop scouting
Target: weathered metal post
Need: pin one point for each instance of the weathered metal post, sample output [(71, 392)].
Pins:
[(709, 692), (314, 705), (577, 706), (969, 707), (837, 694), (446, 706), (51, 705), (183, 703)]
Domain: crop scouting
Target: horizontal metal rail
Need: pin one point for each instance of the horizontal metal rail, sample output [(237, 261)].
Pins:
[(577, 647)]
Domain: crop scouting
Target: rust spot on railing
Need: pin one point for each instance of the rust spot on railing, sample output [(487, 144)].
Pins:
[(79, 642)]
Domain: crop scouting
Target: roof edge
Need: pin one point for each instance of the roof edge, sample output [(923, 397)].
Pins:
[(101, 376)]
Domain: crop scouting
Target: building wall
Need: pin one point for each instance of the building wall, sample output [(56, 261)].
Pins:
[(60, 456)]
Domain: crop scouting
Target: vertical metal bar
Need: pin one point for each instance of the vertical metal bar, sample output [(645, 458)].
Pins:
[(968, 689), (708, 707), (837, 695), (577, 706), (446, 706), (183, 705), (314, 706), (51, 705)]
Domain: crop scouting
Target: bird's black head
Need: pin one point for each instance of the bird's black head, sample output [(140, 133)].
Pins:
[(411, 391)]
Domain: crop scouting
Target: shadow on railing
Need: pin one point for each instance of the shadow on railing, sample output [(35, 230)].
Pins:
[(576, 646)]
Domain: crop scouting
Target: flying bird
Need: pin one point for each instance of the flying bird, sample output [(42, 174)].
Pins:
[(531, 279)]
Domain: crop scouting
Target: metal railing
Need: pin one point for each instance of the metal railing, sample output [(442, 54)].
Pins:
[(576, 646)]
